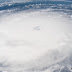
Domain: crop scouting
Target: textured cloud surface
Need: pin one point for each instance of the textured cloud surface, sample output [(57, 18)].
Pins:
[(36, 37)]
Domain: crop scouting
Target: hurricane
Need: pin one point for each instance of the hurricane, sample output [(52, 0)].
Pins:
[(35, 36)]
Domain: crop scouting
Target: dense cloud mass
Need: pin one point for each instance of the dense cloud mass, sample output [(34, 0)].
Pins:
[(36, 36)]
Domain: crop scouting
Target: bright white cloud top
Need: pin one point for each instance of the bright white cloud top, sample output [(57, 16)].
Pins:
[(35, 41)]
